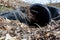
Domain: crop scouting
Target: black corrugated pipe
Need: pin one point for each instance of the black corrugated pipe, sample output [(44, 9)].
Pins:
[(41, 14)]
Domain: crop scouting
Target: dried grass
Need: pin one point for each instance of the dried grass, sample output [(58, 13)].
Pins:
[(15, 30)]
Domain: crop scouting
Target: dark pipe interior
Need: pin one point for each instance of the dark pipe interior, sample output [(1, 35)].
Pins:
[(42, 14)]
